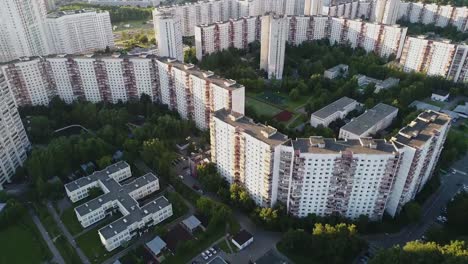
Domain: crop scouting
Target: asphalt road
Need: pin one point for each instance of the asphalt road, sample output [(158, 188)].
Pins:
[(431, 209)]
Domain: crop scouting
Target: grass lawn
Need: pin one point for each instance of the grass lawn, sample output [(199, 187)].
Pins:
[(224, 246), (22, 243), (92, 247), (262, 108), (71, 222), (134, 25), (297, 120), (294, 257)]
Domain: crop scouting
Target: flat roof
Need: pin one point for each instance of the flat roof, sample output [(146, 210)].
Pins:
[(422, 129), (267, 134), (192, 222), (321, 145), (368, 119), (242, 237), (337, 67), (424, 106), (156, 245), (58, 14), (334, 107), (84, 181)]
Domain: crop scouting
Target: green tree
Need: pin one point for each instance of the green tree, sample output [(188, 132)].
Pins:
[(104, 162)]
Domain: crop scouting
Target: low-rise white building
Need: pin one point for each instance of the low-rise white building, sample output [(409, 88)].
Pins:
[(441, 96), (337, 71), (136, 219), (336, 110), (370, 122)]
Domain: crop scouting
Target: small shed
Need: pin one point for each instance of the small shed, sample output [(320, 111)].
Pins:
[(191, 223), (242, 239), (156, 246)]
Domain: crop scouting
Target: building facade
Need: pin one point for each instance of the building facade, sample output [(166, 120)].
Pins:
[(386, 11), (71, 32), (13, 140), (194, 93), (274, 34), (435, 56), (137, 219), (336, 110), (350, 177), (313, 7), (22, 29), (168, 31)]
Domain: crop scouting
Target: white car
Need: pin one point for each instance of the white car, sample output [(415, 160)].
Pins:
[(207, 252), (213, 251), (204, 256)]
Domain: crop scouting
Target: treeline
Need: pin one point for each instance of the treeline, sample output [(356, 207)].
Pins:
[(443, 2), (326, 244), (117, 13), (13, 211), (420, 252), (451, 32)]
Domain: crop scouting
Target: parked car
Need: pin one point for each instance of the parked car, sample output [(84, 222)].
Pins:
[(213, 251), (207, 252), (204, 256)]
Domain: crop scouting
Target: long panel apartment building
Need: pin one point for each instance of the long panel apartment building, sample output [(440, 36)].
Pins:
[(71, 32), (13, 140), (435, 56), (122, 196), (332, 112), (315, 175), (379, 38), (194, 93)]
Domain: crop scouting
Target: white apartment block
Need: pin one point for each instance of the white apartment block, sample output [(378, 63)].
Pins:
[(22, 29), (212, 11), (13, 140), (384, 40), (420, 143), (336, 110), (244, 153), (435, 57), (386, 11), (235, 33), (274, 34), (168, 31), (313, 7), (350, 177), (194, 93), (328, 176), (440, 15), (137, 218), (139, 3), (369, 123), (81, 31)]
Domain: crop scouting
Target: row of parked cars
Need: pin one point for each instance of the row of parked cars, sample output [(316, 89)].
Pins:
[(208, 253)]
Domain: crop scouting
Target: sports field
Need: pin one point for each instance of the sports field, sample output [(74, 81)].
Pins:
[(262, 108)]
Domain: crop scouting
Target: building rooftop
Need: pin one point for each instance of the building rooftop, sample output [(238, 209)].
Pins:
[(83, 181), (192, 222), (58, 14), (338, 67), (321, 145), (267, 134), (422, 129), (371, 117), (424, 106), (242, 236), (156, 245), (334, 107)]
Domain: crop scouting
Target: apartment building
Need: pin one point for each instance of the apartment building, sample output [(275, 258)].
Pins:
[(435, 56), (440, 15), (244, 153), (235, 33), (22, 29), (336, 110), (384, 40), (194, 93), (386, 11), (274, 34), (70, 32), (420, 143), (350, 9), (13, 140), (138, 3), (125, 198), (327, 176), (313, 7), (370, 122), (168, 32)]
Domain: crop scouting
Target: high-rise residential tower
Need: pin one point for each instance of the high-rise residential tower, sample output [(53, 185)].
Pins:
[(168, 30), (313, 7), (386, 11), (13, 140), (22, 29), (79, 31), (274, 34)]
